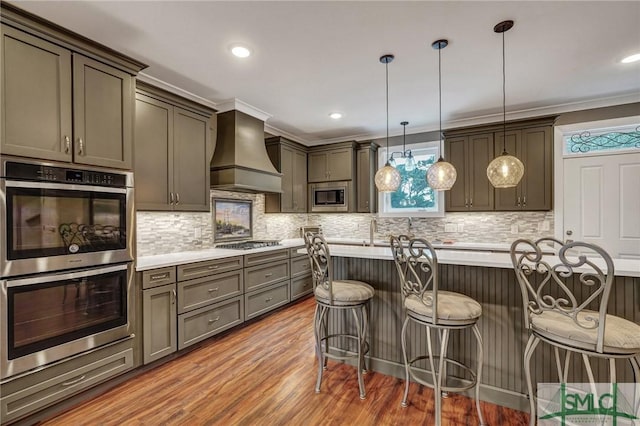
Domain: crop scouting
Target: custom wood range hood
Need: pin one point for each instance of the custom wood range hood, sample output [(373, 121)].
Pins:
[(240, 162)]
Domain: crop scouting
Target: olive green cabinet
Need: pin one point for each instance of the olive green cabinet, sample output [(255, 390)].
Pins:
[(534, 147), (366, 159), (470, 155), (334, 162), (172, 152), (61, 105), (159, 310), (290, 159)]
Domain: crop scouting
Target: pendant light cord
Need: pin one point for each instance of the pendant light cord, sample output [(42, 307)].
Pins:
[(504, 102), (386, 67), (440, 101)]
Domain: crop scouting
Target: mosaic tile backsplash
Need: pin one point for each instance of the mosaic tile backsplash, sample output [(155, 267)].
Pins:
[(167, 232)]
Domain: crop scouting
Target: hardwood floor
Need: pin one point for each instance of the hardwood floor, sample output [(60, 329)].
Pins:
[(264, 374)]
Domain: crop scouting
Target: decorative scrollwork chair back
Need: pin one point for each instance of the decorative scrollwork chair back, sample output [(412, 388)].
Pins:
[(320, 259), (417, 265), (543, 281)]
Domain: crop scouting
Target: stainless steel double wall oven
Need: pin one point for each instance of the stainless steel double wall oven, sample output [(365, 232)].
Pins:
[(65, 261)]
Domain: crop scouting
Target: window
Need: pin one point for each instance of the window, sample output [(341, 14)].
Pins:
[(626, 138), (414, 197)]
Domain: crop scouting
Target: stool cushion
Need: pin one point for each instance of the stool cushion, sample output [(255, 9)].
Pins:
[(453, 308), (345, 292), (620, 335)]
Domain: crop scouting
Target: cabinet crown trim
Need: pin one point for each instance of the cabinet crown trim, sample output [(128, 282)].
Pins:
[(163, 95), (332, 146), (496, 127)]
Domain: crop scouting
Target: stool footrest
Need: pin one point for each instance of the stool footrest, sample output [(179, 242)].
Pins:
[(443, 387)]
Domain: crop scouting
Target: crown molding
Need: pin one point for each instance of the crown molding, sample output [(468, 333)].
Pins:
[(175, 90), (279, 132), (238, 105)]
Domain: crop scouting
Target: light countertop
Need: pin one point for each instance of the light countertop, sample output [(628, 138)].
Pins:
[(447, 254)]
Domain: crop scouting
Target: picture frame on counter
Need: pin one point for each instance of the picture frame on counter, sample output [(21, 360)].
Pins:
[(232, 219)]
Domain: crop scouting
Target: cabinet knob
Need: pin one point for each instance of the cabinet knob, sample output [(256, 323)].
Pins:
[(518, 201), (471, 202), (174, 296), (67, 144), (268, 299), (177, 198), (171, 198), (569, 232), (211, 321), (80, 146), (524, 201)]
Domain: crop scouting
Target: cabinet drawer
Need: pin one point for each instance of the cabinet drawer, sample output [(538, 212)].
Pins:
[(262, 301), (76, 377), (203, 269), (205, 322), (301, 286), (264, 257), (194, 294), (300, 266), (160, 276), (263, 275), (293, 252)]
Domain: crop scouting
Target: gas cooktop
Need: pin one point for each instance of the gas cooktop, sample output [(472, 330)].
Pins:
[(247, 245)]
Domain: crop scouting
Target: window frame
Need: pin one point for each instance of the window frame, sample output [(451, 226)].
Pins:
[(384, 198)]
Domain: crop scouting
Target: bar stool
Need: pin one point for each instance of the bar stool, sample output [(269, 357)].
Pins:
[(340, 295), (554, 315), (444, 311)]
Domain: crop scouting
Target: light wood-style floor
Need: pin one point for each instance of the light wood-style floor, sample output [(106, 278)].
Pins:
[(264, 374)]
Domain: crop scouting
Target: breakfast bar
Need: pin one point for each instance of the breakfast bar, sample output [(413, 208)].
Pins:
[(489, 279)]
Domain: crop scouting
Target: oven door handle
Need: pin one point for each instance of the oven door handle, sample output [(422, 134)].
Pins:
[(45, 278), (64, 186)]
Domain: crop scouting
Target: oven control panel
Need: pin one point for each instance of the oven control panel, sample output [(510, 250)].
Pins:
[(36, 172)]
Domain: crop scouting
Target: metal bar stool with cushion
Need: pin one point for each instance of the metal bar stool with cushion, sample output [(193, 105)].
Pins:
[(444, 311), (343, 295), (553, 313)]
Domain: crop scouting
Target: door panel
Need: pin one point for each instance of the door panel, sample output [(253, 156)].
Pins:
[(102, 114), (286, 158), (340, 164), (601, 202), (480, 155), (507, 198), (456, 197), (536, 188), (300, 181), (36, 88), (317, 167)]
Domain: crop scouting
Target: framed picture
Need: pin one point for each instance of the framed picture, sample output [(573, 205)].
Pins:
[(232, 219)]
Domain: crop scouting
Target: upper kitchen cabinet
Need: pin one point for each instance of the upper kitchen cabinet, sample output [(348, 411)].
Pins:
[(332, 162), (470, 155), (534, 147), (366, 160), (290, 159), (64, 98), (173, 150)]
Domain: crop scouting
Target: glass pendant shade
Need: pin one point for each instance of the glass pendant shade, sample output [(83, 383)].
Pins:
[(392, 161), (410, 163), (387, 179), (505, 171), (441, 175)]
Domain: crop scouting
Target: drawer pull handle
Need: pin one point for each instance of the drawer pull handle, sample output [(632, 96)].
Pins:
[(268, 275), (214, 267), (268, 299), (211, 321), (160, 276), (212, 290), (73, 382)]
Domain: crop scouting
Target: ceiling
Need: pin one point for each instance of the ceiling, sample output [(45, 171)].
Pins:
[(311, 58)]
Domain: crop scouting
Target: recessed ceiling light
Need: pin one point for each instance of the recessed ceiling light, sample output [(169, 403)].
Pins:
[(240, 51), (335, 115), (632, 58)]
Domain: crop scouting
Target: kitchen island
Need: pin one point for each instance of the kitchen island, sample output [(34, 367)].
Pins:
[(488, 278)]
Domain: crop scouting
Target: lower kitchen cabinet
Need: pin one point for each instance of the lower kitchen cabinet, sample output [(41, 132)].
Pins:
[(208, 321), (301, 280), (159, 312), (33, 392), (266, 299), (301, 286)]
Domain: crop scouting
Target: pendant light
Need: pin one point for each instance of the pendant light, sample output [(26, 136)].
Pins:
[(410, 162), (505, 171), (387, 179), (441, 175)]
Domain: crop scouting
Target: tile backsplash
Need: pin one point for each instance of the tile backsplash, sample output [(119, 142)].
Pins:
[(168, 232)]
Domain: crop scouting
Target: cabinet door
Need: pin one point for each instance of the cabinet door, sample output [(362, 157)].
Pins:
[(153, 165), (272, 201), (103, 114), (317, 171), (457, 197), (537, 155), (299, 183), (508, 198), (159, 322), (286, 165), (191, 157), (36, 97), (340, 164), (365, 191), (480, 154)]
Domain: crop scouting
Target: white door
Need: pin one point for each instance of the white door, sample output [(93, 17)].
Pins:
[(602, 202)]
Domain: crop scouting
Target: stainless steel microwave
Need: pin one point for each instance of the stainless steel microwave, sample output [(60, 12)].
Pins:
[(327, 197)]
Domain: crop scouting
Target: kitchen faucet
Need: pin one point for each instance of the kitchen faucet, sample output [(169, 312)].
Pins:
[(373, 228)]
